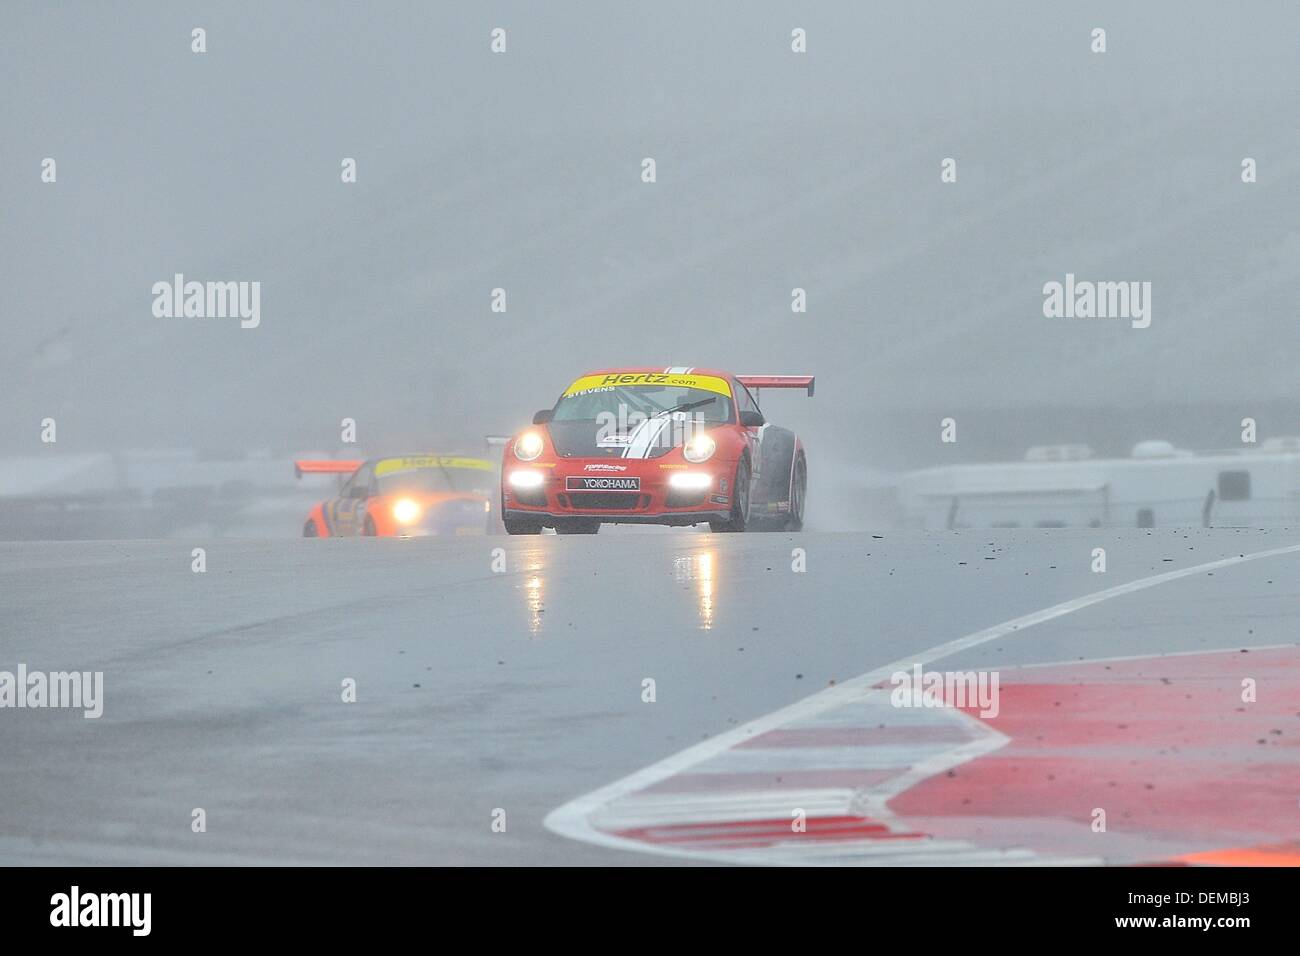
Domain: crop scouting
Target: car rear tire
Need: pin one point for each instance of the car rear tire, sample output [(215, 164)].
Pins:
[(309, 530), (798, 495), (740, 491)]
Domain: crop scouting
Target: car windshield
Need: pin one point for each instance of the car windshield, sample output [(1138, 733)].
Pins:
[(432, 476), (623, 402)]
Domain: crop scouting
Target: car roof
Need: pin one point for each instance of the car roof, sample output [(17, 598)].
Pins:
[(428, 459), (641, 369)]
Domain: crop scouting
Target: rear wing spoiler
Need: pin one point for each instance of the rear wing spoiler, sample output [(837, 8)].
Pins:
[(326, 466), (755, 382)]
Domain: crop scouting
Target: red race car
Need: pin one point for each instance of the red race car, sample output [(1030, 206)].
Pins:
[(403, 497), (674, 446)]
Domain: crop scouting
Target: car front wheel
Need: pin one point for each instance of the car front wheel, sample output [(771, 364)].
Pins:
[(521, 526), (739, 502)]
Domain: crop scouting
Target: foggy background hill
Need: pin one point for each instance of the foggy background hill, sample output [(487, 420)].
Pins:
[(522, 171)]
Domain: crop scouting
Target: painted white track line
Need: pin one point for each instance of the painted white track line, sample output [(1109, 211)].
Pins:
[(573, 819)]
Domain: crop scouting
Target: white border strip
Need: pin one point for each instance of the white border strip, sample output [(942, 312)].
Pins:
[(1081, 661), (571, 819)]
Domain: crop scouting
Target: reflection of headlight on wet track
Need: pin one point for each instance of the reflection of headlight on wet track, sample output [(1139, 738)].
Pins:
[(406, 511), (526, 479), (700, 569), (534, 589), (690, 480)]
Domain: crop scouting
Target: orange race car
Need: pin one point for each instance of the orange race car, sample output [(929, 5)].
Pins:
[(406, 496)]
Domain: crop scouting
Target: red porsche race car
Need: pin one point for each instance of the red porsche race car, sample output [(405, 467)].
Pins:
[(404, 496), (674, 446)]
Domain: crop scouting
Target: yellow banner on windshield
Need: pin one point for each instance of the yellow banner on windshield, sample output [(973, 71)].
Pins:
[(392, 465), (594, 383)]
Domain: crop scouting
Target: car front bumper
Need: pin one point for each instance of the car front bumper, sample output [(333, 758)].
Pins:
[(563, 493), (618, 517)]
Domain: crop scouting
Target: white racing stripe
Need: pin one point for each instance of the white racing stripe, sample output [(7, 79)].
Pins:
[(644, 437), (574, 819)]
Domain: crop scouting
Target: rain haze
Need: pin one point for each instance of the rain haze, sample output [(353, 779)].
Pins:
[(522, 172), (1016, 282)]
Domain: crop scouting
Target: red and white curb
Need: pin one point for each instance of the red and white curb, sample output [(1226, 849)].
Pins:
[(839, 757), (814, 790), (1183, 766)]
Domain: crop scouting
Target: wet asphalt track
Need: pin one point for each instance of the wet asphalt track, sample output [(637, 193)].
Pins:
[(519, 690)]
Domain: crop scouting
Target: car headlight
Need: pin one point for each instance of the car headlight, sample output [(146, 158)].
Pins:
[(529, 446), (406, 511), (700, 448), (690, 480)]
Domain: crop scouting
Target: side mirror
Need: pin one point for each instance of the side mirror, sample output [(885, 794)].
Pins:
[(542, 417), (751, 419), (358, 491)]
